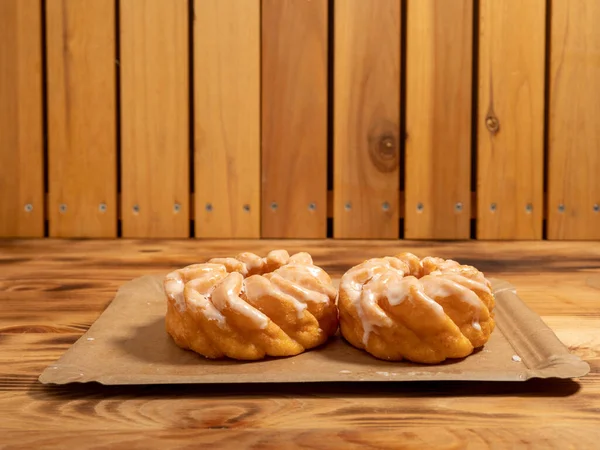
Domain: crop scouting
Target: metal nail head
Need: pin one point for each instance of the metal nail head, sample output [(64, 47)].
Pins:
[(136, 209), (561, 208), (208, 207), (274, 206), (28, 207), (458, 207), (385, 206), (176, 207), (102, 207), (528, 208), (62, 208), (312, 206), (246, 208), (493, 207), (348, 206), (596, 207), (420, 207)]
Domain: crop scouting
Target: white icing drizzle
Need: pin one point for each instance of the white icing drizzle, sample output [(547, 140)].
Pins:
[(252, 263), (301, 258), (275, 282), (202, 302), (276, 259), (174, 287), (434, 305), (175, 281), (296, 290), (364, 300), (389, 277), (437, 286), (226, 295), (216, 285), (398, 290), (369, 311), (441, 264), (230, 264), (477, 285), (314, 271), (313, 284)]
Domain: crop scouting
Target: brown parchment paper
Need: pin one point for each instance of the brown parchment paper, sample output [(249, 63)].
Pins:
[(128, 344)]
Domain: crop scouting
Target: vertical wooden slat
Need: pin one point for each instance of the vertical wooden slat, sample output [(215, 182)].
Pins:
[(227, 118), (574, 121), (155, 118), (81, 118), (367, 115), (21, 151), (294, 118), (510, 126), (438, 119)]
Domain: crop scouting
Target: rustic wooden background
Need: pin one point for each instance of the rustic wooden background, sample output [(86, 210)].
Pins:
[(300, 118)]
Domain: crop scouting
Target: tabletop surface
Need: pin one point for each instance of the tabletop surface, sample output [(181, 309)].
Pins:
[(51, 291)]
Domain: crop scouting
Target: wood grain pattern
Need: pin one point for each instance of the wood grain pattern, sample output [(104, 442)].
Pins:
[(21, 141), (438, 119), (227, 118), (366, 119), (294, 118), (574, 121), (412, 437), (82, 142), (510, 119), (51, 291), (155, 143)]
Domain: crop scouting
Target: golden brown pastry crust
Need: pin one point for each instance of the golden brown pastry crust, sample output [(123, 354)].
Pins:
[(424, 311), (249, 307)]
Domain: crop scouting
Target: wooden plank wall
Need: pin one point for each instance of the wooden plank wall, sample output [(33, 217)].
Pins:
[(227, 118), (21, 129), (574, 121), (510, 119), (155, 137), (300, 119), (82, 140), (438, 119), (366, 119), (294, 119)]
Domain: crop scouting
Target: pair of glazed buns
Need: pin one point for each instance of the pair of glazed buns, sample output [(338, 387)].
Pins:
[(402, 307)]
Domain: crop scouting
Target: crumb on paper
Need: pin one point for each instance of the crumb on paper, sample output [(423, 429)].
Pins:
[(385, 374), (516, 358), (90, 339), (420, 374), (345, 371)]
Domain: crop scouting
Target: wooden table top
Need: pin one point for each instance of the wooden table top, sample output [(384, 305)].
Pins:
[(51, 291)]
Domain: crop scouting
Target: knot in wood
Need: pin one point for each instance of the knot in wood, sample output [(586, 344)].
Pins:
[(492, 124), (383, 152)]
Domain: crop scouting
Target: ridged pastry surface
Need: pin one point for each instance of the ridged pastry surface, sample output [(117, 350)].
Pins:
[(423, 310), (249, 307)]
